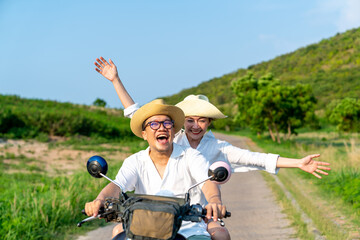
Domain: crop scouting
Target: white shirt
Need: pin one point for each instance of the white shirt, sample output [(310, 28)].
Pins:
[(213, 149), (241, 160), (186, 166)]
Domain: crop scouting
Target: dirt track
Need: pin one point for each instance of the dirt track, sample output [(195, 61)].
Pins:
[(255, 214)]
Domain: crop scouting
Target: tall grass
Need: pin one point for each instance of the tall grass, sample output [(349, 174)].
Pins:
[(37, 206), (353, 154), (34, 205)]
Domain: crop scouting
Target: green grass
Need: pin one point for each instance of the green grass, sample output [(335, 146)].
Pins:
[(326, 227), (97, 144), (20, 163), (294, 216), (34, 205)]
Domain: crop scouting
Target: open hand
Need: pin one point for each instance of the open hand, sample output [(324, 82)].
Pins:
[(314, 167), (107, 69)]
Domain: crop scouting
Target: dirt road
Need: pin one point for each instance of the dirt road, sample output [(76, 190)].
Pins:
[(255, 214)]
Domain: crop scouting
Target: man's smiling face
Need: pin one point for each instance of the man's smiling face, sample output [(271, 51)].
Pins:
[(160, 140)]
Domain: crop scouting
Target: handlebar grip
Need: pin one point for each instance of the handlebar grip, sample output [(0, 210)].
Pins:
[(227, 214)]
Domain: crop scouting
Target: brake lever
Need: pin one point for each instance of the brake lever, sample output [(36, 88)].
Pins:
[(88, 219), (100, 215)]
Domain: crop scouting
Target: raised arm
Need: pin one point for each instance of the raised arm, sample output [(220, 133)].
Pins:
[(306, 164), (109, 71)]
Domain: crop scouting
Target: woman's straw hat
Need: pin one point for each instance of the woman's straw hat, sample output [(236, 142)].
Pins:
[(199, 105), (156, 107)]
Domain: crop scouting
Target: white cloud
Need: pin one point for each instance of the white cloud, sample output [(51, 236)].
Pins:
[(343, 14), (349, 15)]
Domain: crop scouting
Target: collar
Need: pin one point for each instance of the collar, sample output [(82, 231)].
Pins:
[(209, 134), (177, 151)]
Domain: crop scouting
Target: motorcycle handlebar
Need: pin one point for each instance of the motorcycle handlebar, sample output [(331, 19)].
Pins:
[(227, 214), (195, 214)]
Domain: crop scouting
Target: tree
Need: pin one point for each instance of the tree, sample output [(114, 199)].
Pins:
[(99, 102), (264, 104), (346, 114)]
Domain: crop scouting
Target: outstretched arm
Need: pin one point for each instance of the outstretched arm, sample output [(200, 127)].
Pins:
[(109, 71), (307, 164)]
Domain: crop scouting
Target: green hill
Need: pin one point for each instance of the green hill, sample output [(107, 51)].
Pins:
[(32, 118), (331, 67)]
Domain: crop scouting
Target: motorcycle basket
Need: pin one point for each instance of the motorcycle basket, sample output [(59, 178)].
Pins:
[(148, 217)]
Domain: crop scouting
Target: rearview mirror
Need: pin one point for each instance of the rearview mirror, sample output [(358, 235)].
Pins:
[(219, 172), (96, 165)]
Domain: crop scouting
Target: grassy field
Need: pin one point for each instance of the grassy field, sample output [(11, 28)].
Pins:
[(37, 205)]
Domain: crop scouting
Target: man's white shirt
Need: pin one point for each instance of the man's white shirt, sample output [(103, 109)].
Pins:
[(186, 167)]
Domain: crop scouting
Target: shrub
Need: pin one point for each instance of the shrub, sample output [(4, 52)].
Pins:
[(346, 115)]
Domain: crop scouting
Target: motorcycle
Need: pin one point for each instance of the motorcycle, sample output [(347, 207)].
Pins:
[(151, 216)]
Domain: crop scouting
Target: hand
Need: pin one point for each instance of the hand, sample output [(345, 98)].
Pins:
[(92, 208), (307, 164), (108, 70), (215, 210)]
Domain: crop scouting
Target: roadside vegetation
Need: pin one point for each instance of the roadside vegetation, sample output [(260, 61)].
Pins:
[(333, 202), (31, 118), (37, 205), (40, 198)]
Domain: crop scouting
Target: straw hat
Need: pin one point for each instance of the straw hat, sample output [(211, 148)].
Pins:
[(156, 107), (199, 105)]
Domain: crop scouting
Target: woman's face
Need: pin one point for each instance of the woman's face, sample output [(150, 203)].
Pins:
[(196, 127)]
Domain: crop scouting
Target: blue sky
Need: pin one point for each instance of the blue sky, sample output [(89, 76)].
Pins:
[(47, 48)]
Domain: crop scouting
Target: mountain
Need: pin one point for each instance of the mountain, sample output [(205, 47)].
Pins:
[(331, 67)]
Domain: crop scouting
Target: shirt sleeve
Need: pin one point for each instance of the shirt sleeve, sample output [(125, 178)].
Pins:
[(243, 160), (129, 111), (127, 176), (199, 167)]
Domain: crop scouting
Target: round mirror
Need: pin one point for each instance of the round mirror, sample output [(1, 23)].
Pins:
[(220, 172), (96, 165)]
